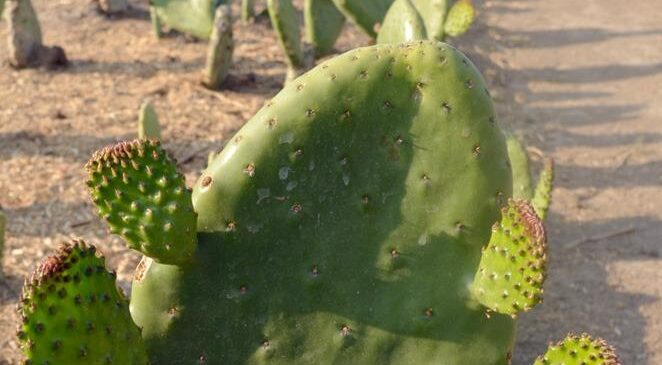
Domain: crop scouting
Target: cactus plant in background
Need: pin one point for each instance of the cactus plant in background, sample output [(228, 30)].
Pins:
[(148, 122), (338, 226), (323, 24), (25, 41), (284, 19), (220, 49), (409, 20), (366, 14), (2, 7), (522, 183), (193, 17)]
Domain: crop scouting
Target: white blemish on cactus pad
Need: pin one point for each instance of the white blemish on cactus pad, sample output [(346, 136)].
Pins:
[(286, 138), (262, 194), (345, 179), (291, 185), (423, 239), (283, 172)]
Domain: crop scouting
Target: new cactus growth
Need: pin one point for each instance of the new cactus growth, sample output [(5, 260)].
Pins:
[(360, 217), (25, 41), (519, 162), (220, 49), (148, 123), (543, 192), (72, 313), (143, 198), (579, 350), (522, 183)]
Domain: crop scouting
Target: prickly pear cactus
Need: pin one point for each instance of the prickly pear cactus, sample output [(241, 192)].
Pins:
[(25, 38), (72, 313), (459, 19), (519, 161), (144, 199), (220, 49), (434, 14), (194, 17), (579, 350), (284, 19), (348, 222), (323, 25), (410, 20), (403, 23), (366, 14), (247, 10), (340, 226)]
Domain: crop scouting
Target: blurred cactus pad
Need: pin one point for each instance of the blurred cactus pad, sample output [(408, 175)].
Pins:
[(344, 224)]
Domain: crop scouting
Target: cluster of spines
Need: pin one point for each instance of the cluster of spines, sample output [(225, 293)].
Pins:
[(143, 197), (62, 304), (579, 350), (512, 269)]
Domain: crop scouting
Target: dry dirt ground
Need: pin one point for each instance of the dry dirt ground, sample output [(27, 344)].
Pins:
[(577, 79)]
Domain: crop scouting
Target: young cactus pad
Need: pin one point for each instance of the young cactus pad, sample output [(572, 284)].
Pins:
[(148, 122), (579, 350), (144, 199), (542, 195), (72, 313), (343, 224), (513, 265), (460, 17)]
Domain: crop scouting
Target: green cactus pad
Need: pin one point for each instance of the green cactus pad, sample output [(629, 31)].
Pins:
[(144, 199), (343, 223), (512, 269), (519, 160), (460, 17), (433, 13), (72, 313), (542, 195), (579, 350), (402, 24), (194, 17), (366, 14), (148, 123), (323, 25), (285, 21), (220, 49)]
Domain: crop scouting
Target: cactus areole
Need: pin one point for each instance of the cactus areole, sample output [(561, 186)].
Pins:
[(344, 224)]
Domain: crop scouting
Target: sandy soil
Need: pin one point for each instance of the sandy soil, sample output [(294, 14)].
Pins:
[(578, 80)]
